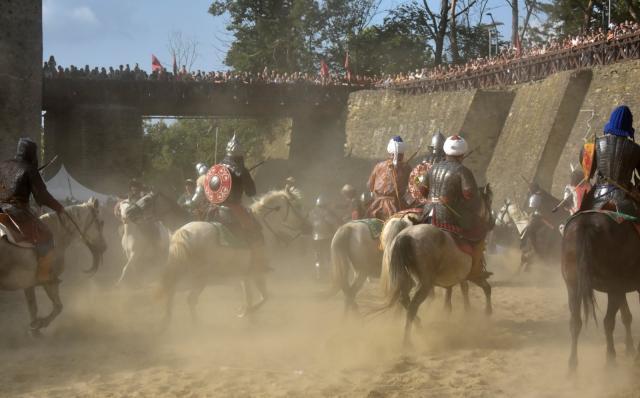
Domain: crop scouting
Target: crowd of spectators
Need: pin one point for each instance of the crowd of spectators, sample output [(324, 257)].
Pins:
[(267, 76), (509, 54), (125, 72)]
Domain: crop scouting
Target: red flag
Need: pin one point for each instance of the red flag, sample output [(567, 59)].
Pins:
[(324, 69), (155, 64), (175, 65), (346, 67)]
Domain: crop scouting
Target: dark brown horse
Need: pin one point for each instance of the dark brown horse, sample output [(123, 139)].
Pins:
[(600, 254)]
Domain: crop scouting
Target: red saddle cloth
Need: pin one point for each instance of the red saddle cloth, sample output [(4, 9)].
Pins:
[(27, 229)]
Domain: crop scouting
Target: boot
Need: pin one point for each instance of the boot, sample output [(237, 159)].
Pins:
[(478, 263), (45, 268)]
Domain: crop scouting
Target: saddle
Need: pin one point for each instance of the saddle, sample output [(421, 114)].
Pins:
[(26, 235)]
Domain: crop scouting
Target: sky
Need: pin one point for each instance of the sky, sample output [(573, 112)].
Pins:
[(114, 32)]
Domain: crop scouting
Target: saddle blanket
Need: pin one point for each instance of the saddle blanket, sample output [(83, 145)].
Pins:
[(229, 239), (375, 226)]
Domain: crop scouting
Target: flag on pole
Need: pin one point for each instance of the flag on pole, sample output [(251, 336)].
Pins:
[(324, 69), (346, 67), (155, 64)]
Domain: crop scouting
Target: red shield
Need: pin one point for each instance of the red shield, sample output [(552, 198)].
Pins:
[(588, 155), (415, 189), (217, 184)]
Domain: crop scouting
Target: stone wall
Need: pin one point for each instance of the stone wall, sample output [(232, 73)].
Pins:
[(611, 86), (534, 133), (20, 72)]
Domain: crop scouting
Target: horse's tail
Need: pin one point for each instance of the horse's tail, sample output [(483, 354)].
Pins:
[(391, 229), (586, 237), (178, 257), (398, 259), (340, 261)]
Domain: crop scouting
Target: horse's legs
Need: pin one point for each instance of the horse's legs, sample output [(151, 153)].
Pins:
[(464, 287), (350, 296), (192, 299), (613, 304), (54, 295), (130, 261), (447, 299), (412, 310), (32, 305), (486, 288), (575, 324), (626, 321)]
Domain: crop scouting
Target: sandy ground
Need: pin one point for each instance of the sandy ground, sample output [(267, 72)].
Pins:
[(105, 345)]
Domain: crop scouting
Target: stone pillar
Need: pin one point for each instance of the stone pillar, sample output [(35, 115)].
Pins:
[(20, 72), (101, 146)]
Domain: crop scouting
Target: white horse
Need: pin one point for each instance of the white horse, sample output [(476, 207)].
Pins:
[(207, 252), (18, 265), (146, 242)]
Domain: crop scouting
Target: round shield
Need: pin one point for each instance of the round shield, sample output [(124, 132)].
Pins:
[(217, 184), (414, 182)]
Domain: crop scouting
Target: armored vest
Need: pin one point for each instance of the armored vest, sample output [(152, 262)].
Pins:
[(241, 180), (452, 193), (616, 159)]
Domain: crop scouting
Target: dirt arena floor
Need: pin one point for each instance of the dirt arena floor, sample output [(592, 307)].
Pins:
[(105, 344)]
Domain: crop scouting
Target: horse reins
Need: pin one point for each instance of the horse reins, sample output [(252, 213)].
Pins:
[(286, 216), (82, 233)]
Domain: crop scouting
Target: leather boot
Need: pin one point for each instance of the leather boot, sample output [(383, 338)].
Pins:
[(478, 263)]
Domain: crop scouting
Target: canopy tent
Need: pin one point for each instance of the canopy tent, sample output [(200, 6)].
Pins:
[(62, 186)]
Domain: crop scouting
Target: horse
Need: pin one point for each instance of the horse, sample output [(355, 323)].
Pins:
[(396, 224), (18, 265), (198, 249), (600, 253), (510, 222), (147, 226), (426, 256)]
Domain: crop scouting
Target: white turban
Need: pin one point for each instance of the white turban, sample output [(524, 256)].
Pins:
[(455, 146), (395, 147)]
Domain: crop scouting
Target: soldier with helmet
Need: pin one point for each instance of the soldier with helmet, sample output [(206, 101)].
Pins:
[(228, 209), (352, 208), (453, 201), (388, 182), (198, 201), (417, 196), (324, 223)]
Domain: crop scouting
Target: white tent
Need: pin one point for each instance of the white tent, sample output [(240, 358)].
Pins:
[(63, 186)]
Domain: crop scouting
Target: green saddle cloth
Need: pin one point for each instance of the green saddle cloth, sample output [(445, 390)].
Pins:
[(229, 239), (375, 226)]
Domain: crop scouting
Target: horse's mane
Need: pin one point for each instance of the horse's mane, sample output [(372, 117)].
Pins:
[(259, 205)]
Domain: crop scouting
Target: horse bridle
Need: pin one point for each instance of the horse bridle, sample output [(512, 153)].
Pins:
[(83, 232), (289, 208)]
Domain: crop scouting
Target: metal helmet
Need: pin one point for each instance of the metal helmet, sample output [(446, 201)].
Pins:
[(321, 201), (28, 151), (366, 197), (437, 144), (348, 190), (202, 169), (234, 148)]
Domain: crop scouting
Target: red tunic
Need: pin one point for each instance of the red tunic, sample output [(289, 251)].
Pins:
[(389, 186)]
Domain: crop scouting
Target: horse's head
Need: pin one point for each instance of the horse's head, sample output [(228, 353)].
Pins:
[(158, 206), (280, 212), (84, 221)]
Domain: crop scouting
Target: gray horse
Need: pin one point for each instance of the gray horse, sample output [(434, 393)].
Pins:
[(18, 265)]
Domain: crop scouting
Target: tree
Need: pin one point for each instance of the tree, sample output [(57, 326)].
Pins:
[(183, 49), (278, 34)]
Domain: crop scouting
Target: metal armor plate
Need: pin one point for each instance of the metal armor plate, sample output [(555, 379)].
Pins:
[(420, 170), (217, 184)]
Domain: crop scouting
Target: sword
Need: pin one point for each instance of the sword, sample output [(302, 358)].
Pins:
[(49, 163)]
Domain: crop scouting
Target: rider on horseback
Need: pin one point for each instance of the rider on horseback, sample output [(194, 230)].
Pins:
[(232, 214), (616, 159), (453, 202), (19, 179), (417, 196), (389, 181)]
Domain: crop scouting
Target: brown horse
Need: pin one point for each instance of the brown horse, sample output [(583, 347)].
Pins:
[(598, 253)]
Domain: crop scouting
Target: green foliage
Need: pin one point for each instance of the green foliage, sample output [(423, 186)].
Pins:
[(172, 150)]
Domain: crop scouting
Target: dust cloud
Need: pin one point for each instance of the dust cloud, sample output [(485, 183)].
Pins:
[(106, 343)]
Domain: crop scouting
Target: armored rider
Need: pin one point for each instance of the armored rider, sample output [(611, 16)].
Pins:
[(232, 213), (453, 200), (388, 182), (417, 196), (616, 159), (324, 223), (198, 203), (19, 179), (351, 208)]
